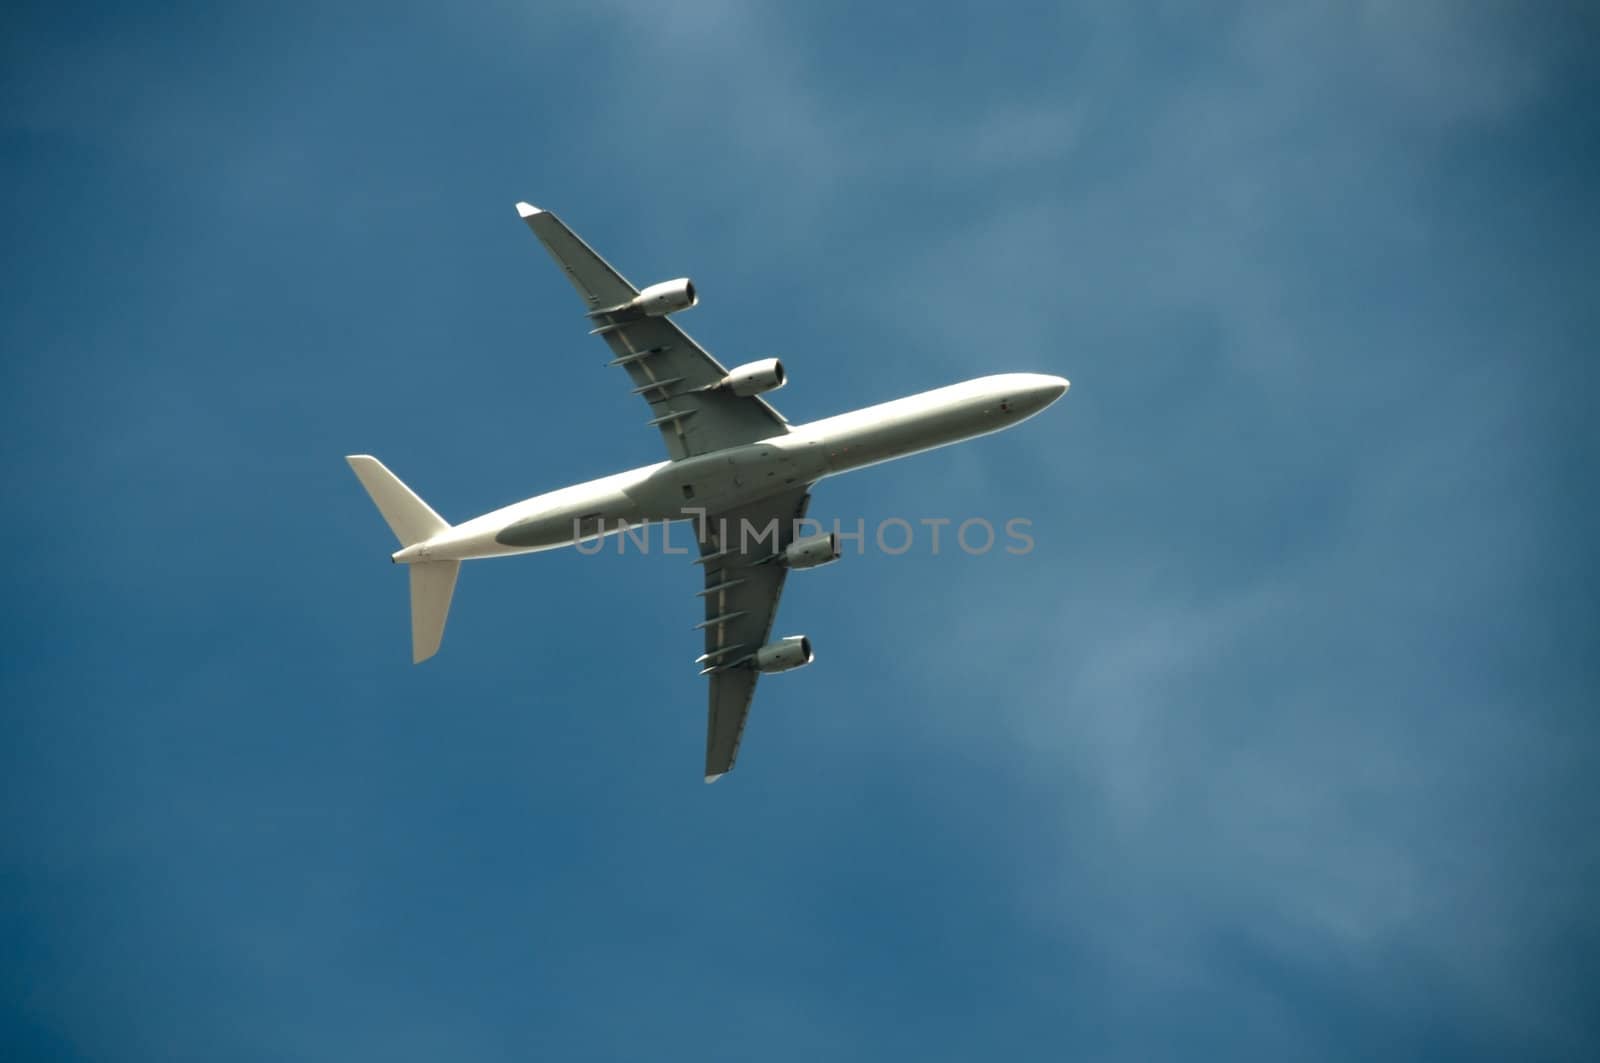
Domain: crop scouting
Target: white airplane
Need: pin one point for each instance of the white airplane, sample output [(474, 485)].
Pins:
[(737, 470)]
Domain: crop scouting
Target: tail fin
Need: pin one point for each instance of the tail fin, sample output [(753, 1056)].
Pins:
[(413, 521), (410, 518)]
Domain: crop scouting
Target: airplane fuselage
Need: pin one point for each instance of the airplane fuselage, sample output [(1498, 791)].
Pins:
[(722, 480)]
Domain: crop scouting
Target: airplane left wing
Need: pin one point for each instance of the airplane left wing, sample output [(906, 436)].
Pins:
[(668, 369), (741, 601)]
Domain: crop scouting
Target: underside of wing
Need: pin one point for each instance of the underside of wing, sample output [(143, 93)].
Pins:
[(743, 584), (677, 377), (731, 695)]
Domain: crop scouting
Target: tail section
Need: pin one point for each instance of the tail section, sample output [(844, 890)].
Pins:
[(413, 521)]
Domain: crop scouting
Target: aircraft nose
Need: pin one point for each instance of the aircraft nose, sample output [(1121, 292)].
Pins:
[(1044, 389)]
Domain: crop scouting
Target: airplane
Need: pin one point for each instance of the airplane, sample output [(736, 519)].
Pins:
[(737, 471)]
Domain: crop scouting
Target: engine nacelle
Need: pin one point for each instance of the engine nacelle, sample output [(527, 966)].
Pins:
[(753, 378), (668, 297), (811, 551), (791, 652)]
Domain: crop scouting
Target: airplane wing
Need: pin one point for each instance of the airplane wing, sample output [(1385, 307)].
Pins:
[(741, 596), (665, 365)]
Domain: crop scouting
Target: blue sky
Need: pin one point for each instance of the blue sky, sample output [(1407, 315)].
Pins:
[(1280, 744)]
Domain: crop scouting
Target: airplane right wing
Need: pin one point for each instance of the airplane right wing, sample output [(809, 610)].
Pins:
[(741, 601), (668, 369)]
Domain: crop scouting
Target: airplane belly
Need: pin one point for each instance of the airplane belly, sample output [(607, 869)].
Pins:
[(870, 443), (710, 483), (567, 523)]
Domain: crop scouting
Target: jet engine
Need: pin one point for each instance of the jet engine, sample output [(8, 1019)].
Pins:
[(811, 551), (668, 297), (793, 651), (753, 378)]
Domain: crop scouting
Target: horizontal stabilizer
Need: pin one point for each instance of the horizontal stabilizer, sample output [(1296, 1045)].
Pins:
[(410, 518), (433, 583)]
